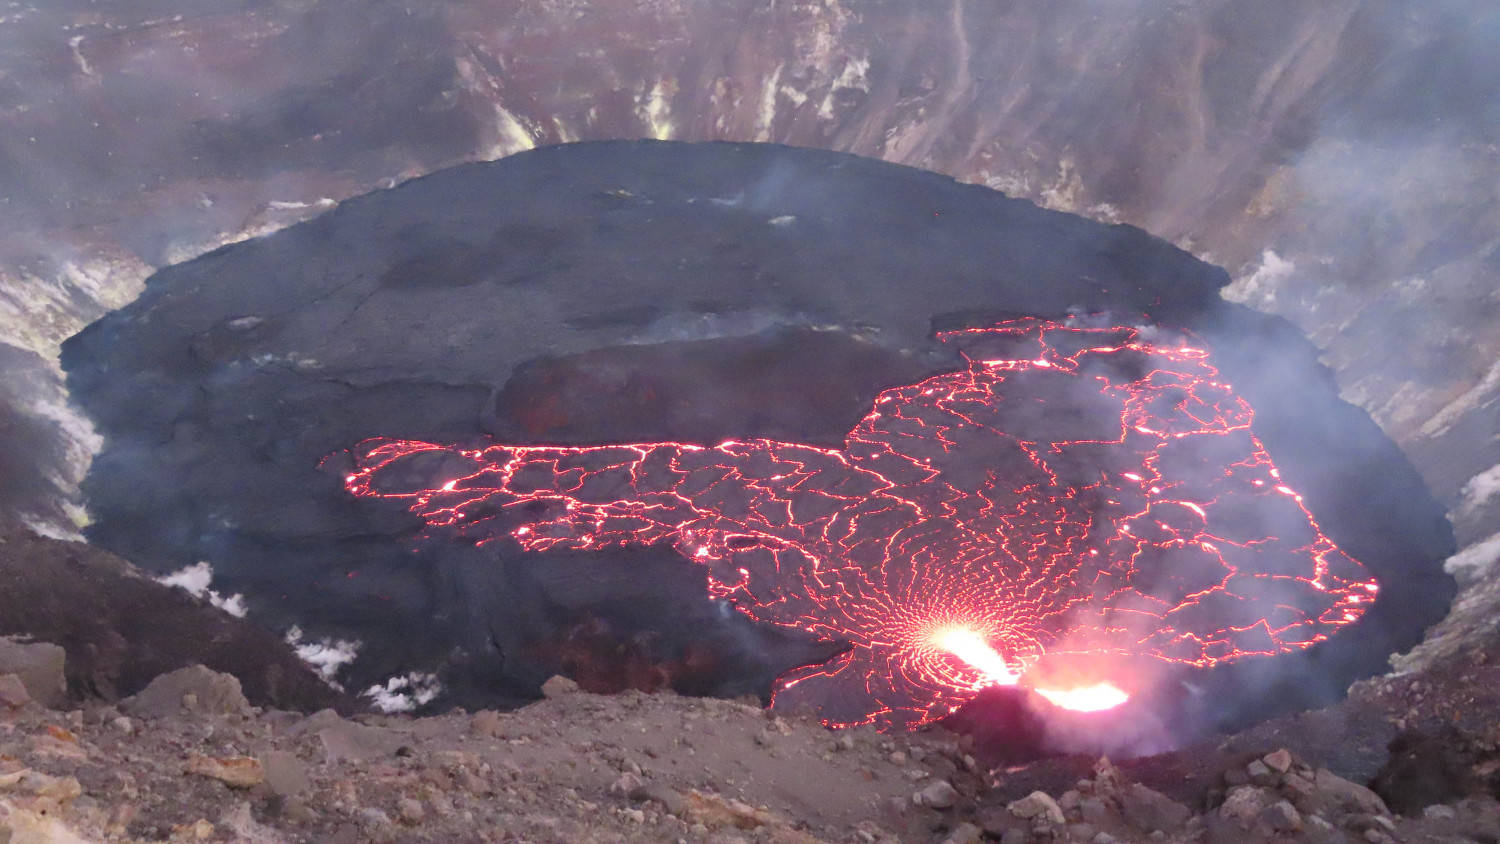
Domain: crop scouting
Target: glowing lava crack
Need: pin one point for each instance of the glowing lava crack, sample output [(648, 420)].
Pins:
[(1075, 498)]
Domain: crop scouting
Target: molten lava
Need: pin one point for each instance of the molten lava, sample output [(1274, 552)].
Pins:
[(974, 650), (1093, 698), (1073, 491)]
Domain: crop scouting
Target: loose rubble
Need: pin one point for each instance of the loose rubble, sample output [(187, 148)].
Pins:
[(189, 759)]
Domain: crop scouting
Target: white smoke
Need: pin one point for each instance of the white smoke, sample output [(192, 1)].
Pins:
[(1258, 288), (1479, 492), (1475, 561), (327, 656), (404, 693), (196, 580)]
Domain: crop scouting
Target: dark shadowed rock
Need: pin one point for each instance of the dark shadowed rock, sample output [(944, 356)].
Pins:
[(1348, 796), (120, 629), (939, 794), (1427, 768), (1149, 811), (1282, 817)]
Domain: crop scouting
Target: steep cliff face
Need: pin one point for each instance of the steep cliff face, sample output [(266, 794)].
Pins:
[(1338, 158)]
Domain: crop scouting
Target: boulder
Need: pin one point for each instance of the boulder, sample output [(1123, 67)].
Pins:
[(1260, 773), (558, 685), (39, 666), (1282, 816), (285, 774), (1149, 811), (1348, 796), (1038, 807), (13, 693), (487, 722), (1279, 761), (1244, 804), (939, 794), (195, 688), (351, 742)]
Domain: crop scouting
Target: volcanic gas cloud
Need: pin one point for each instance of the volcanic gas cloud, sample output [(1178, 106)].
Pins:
[(1076, 499)]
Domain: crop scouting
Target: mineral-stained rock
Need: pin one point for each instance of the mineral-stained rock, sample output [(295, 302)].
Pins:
[(716, 812), (233, 771), (35, 825), (669, 798), (38, 784)]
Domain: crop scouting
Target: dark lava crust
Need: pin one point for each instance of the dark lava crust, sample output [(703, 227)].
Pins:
[(625, 290)]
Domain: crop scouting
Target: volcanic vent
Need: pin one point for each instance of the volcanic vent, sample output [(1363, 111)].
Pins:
[(1076, 492), (875, 410)]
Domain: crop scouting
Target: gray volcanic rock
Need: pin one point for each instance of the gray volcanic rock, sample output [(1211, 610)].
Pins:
[(621, 291), (39, 665), (193, 689)]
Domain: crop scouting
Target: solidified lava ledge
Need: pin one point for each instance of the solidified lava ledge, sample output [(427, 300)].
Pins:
[(703, 294)]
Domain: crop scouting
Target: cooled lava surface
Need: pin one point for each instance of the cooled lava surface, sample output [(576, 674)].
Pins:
[(782, 311)]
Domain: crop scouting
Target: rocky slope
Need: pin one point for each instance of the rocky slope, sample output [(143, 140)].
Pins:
[(189, 760), (119, 628), (90, 751)]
